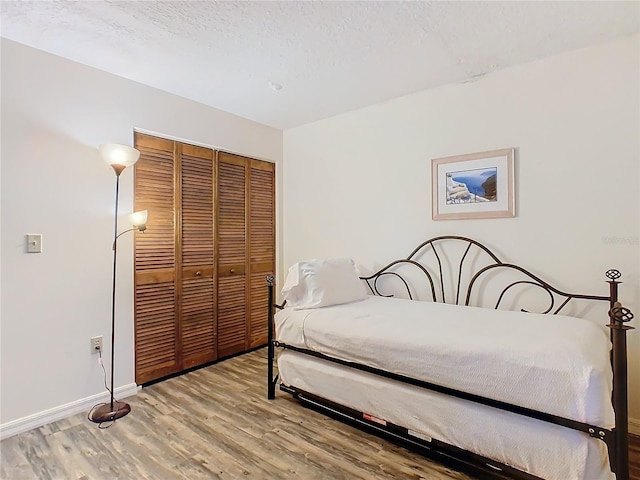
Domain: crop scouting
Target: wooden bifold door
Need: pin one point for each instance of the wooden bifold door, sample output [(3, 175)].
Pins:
[(200, 266)]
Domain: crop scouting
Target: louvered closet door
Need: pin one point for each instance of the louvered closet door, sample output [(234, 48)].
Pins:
[(156, 327), (200, 267), (197, 313), (232, 254), (262, 245)]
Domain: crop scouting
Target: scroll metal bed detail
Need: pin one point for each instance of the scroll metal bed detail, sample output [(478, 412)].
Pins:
[(440, 289)]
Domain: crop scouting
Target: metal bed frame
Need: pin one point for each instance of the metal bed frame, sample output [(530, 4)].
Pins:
[(616, 439)]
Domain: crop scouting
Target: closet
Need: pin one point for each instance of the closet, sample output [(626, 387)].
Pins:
[(200, 267)]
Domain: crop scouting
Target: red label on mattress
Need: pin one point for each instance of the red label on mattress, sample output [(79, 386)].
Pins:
[(371, 418)]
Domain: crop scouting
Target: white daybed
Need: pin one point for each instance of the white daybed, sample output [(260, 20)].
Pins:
[(500, 393)]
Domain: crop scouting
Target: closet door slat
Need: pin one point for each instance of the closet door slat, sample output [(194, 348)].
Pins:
[(157, 351), (262, 245), (232, 315), (232, 254), (197, 301)]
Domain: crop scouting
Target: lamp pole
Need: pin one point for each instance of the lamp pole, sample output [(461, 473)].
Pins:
[(109, 412), (113, 286)]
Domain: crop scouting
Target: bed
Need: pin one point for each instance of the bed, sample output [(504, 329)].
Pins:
[(412, 352)]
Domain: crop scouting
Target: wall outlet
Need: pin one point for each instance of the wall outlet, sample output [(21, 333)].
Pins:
[(96, 344)]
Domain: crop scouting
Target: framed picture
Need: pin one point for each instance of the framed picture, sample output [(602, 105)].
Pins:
[(475, 185)]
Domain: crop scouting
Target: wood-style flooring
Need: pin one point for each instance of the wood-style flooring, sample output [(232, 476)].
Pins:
[(215, 423)]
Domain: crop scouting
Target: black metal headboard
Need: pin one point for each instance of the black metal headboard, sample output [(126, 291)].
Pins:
[(462, 271)]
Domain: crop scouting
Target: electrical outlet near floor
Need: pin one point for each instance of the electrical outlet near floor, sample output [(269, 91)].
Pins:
[(96, 344)]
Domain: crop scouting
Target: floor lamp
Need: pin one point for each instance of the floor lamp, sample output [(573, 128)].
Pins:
[(117, 157)]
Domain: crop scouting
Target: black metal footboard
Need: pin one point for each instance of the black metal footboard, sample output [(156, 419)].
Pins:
[(616, 439)]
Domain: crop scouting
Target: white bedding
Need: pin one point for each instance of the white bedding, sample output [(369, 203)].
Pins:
[(554, 364)]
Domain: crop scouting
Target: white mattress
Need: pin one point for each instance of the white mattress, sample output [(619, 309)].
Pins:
[(554, 364), (550, 363)]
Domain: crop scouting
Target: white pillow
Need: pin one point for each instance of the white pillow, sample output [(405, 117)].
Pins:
[(320, 283)]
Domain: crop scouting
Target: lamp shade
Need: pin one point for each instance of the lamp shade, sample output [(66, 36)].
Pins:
[(115, 154), (139, 219)]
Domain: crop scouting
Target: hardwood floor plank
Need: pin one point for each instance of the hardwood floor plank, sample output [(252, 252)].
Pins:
[(13, 461), (71, 464), (35, 449), (216, 423)]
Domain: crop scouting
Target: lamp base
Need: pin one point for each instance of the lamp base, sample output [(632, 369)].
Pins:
[(104, 413)]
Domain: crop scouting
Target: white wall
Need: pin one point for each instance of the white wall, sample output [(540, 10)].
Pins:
[(359, 184), (54, 114)]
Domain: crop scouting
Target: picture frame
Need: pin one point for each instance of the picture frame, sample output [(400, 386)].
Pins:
[(474, 185)]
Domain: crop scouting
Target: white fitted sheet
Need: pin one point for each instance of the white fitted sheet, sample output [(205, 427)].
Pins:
[(550, 363), (545, 450)]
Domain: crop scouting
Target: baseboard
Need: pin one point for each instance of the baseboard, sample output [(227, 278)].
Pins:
[(63, 411), (634, 426)]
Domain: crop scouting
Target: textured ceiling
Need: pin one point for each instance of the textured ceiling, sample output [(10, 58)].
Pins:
[(328, 56)]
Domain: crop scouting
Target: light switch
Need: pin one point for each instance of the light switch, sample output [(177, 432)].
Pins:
[(34, 243)]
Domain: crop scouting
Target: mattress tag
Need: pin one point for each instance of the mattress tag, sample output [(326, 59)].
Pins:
[(419, 435), (371, 418)]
